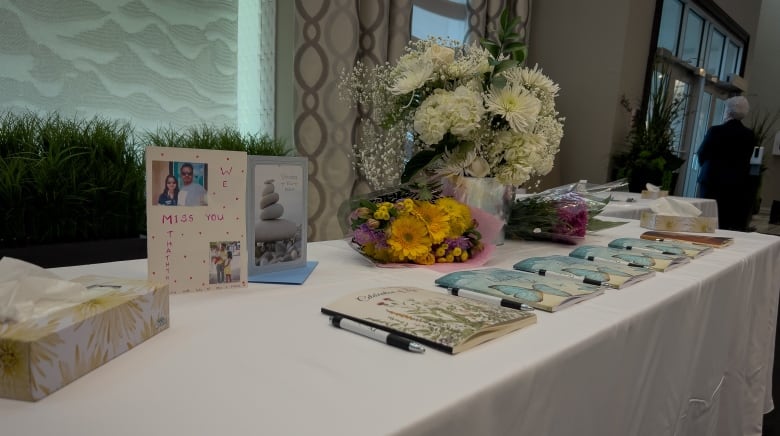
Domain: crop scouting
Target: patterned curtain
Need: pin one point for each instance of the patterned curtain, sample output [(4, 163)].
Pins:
[(484, 16), (330, 37)]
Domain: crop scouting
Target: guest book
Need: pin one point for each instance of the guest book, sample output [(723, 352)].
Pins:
[(445, 322), (613, 275), (663, 247), (545, 293), (644, 259)]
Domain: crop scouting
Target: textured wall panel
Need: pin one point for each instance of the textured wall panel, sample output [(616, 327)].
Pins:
[(150, 62)]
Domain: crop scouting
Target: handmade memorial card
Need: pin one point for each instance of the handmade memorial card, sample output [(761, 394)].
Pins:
[(196, 218), (277, 217)]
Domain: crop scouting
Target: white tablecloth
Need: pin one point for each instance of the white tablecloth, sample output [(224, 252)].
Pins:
[(620, 208), (687, 352)]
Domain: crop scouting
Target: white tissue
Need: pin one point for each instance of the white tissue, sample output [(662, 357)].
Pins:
[(28, 291), (652, 188), (673, 207)]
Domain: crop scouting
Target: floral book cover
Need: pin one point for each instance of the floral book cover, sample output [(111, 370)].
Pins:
[(643, 259), (545, 293), (196, 218), (664, 247), (613, 275), (446, 322)]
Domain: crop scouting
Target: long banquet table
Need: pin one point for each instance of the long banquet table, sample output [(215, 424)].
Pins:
[(621, 207), (687, 352)]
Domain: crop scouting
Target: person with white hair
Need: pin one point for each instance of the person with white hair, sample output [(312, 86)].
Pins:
[(724, 157)]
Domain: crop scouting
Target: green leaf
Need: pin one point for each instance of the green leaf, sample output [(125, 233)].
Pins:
[(504, 65), (498, 82), (492, 48), (418, 162), (504, 20), (514, 46), (595, 224)]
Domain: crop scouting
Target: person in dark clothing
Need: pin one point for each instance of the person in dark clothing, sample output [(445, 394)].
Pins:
[(724, 157)]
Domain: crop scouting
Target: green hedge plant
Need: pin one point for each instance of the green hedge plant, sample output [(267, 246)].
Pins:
[(73, 179), (68, 179), (210, 137)]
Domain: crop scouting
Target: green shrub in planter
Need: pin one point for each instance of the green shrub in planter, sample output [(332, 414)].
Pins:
[(218, 138), (651, 156), (74, 180), (68, 179)]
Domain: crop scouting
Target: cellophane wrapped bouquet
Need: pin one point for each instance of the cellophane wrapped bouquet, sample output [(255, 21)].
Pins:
[(563, 214), (417, 226)]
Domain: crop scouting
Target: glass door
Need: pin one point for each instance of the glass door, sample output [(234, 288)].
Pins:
[(710, 112), (684, 88), (702, 120)]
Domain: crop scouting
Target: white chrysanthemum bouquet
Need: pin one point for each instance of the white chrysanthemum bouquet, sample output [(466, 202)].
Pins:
[(452, 109)]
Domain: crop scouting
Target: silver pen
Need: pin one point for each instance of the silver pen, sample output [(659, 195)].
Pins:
[(368, 331)]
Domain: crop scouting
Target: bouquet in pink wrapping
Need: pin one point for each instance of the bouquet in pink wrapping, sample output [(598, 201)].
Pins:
[(414, 225)]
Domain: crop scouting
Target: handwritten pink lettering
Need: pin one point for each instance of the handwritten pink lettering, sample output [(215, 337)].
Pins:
[(225, 172), (168, 252), (176, 219)]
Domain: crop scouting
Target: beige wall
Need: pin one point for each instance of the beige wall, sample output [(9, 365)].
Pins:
[(598, 52)]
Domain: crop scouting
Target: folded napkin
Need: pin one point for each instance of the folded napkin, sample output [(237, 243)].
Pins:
[(28, 291), (674, 207)]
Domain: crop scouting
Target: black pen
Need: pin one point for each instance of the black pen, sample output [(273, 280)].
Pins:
[(492, 299), (652, 250), (388, 338), (614, 260), (570, 276)]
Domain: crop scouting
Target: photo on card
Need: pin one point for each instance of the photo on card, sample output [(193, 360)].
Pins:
[(179, 183), (276, 213), (224, 262)]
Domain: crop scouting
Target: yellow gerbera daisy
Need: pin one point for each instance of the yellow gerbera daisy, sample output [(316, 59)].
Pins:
[(459, 213), (436, 218), (408, 237)]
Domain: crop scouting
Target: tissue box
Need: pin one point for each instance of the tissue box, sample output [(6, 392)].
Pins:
[(697, 224), (40, 355), (652, 195)]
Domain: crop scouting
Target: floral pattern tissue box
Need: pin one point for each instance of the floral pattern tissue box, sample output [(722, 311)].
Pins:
[(652, 195), (59, 340), (696, 224)]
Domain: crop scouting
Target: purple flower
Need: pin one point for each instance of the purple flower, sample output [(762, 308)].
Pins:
[(461, 241), (572, 218), (364, 234)]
